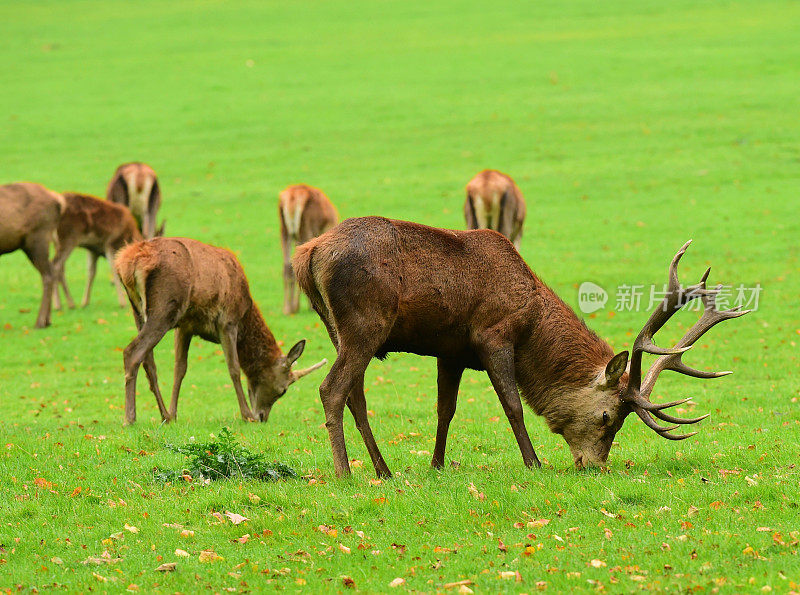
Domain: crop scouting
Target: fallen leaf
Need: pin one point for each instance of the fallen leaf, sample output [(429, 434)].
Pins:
[(596, 563), (187, 533), (244, 538), (348, 582), (208, 556), (511, 575), (182, 553), (475, 493), (717, 504), (167, 567), (235, 518), (344, 549), (538, 523), (465, 582), (131, 528), (693, 510), (397, 582)]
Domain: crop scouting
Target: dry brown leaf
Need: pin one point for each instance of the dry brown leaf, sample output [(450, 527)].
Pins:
[(181, 553), (596, 563), (167, 567), (131, 528), (235, 518), (397, 582), (348, 582), (465, 582), (344, 549), (208, 556)]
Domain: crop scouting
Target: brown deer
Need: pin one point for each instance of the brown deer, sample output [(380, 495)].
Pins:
[(305, 212), (99, 226), (202, 290), (135, 185), (29, 215), (468, 299), (495, 202)]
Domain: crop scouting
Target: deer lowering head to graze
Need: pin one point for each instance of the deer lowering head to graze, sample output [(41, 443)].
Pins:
[(305, 212), (135, 185), (201, 290), (495, 202), (29, 215), (99, 226), (468, 299)]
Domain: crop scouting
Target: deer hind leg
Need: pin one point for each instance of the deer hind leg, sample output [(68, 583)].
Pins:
[(449, 378), (358, 407), (91, 271), (37, 249), (63, 250), (499, 364), (228, 339), (340, 384), (182, 341), (139, 351)]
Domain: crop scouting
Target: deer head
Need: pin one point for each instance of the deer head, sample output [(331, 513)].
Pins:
[(273, 380), (620, 389)]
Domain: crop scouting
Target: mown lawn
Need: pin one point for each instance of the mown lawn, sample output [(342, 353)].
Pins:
[(629, 126)]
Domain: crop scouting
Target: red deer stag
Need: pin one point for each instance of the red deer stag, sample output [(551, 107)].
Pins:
[(305, 213), (29, 215), (200, 290), (135, 185), (495, 202), (99, 226), (468, 299)]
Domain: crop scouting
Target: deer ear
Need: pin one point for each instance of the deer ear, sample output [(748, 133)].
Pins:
[(615, 369), (296, 351)]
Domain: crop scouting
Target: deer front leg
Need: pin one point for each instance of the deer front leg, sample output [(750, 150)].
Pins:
[(121, 296), (91, 270), (182, 340), (449, 377), (228, 338), (499, 364), (358, 407)]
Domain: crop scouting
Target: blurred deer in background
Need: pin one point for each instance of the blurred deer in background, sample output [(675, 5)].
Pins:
[(305, 213), (99, 226), (29, 216), (468, 299), (202, 290), (495, 202), (135, 185)]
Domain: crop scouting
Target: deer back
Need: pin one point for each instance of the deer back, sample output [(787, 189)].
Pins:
[(26, 208)]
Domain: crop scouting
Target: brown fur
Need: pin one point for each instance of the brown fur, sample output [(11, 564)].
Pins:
[(99, 226), (467, 298), (29, 216), (305, 212), (202, 290), (136, 186), (495, 202)]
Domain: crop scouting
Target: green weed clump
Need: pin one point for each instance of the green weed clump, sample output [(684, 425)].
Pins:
[(223, 458)]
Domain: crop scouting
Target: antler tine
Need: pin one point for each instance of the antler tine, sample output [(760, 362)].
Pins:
[(672, 361), (676, 296), (661, 430)]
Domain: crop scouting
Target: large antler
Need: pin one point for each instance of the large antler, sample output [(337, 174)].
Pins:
[(637, 393)]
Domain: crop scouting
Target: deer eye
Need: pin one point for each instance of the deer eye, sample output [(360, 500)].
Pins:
[(605, 418)]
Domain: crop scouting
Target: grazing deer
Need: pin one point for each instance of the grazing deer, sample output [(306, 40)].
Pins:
[(135, 185), (99, 226), (495, 202), (468, 299), (200, 290), (305, 212), (29, 215)]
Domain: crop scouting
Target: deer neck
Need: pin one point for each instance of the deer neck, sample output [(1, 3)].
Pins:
[(256, 344), (561, 358)]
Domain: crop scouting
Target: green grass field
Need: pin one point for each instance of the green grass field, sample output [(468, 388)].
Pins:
[(629, 126)]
